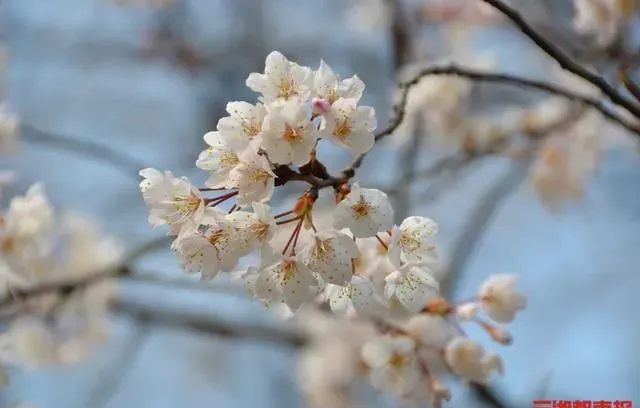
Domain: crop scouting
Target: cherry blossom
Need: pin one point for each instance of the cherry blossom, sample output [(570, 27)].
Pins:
[(328, 86), (288, 281), (413, 240), (389, 320), (171, 200), (253, 178), (350, 126), (365, 211), (471, 361), (219, 159), (499, 299), (412, 285), (244, 122), (289, 136), (358, 296), (392, 362), (282, 80), (255, 228), (214, 247), (330, 255)]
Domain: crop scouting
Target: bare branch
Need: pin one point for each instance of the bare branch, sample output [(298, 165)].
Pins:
[(211, 324), (72, 284), (128, 165), (563, 58)]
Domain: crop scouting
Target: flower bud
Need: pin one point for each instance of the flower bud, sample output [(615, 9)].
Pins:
[(320, 106)]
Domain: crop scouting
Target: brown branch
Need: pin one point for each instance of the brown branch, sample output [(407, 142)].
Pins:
[(565, 61), (625, 65)]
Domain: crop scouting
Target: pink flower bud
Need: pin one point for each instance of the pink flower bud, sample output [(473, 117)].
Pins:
[(320, 106)]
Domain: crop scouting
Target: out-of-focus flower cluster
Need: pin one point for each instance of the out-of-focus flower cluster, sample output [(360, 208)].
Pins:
[(37, 248), (365, 269), (603, 20), (571, 147)]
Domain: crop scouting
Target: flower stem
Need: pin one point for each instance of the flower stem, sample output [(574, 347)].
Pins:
[(288, 221), (212, 202), (283, 214), (382, 242), (293, 236)]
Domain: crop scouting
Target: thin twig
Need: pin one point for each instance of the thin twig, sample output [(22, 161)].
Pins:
[(563, 58), (210, 324), (399, 110), (72, 284), (126, 164)]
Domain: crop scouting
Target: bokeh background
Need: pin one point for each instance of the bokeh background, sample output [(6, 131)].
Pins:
[(94, 71)]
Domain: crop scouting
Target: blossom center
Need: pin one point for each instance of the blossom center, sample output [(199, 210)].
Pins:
[(251, 129), (332, 96), (218, 237), (186, 205), (259, 176), (322, 249), (291, 134), (286, 88), (343, 129), (259, 230), (228, 159), (409, 242), (288, 271), (398, 360), (361, 208)]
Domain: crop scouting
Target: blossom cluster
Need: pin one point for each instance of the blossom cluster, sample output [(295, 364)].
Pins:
[(38, 248), (358, 263)]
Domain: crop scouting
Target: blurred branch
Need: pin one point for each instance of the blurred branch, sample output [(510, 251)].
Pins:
[(211, 324), (564, 59), (128, 165), (479, 75), (408, 161), (623, 70), (66, 286)]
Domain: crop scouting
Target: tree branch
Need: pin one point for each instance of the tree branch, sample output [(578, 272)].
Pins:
[(128, 165), (563, 58), (211, 324), (72, 284)]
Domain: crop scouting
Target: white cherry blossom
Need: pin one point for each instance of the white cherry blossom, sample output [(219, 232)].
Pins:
[(289, 136), (244, 122), (467, 311), (253, 178), (500, 301), (171, 200), (330, 254), (214, 247), (328, 85), (358, 296), (413, 240), (282, 80), (471, 361), (219, 159), (288, 281), (29, 216), (255, 228), (412, 285), (365, 211), (350, 126), (392, 362)]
